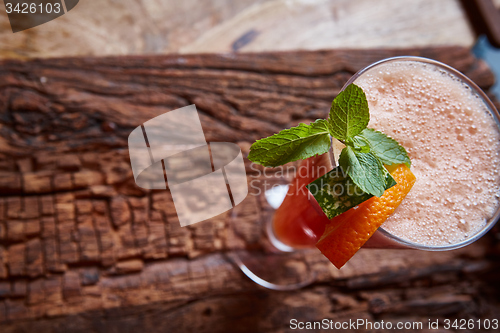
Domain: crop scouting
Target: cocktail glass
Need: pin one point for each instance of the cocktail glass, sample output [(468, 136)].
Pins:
[(298, 222)]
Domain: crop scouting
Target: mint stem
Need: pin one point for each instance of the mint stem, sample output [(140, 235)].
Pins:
[(332, 155)]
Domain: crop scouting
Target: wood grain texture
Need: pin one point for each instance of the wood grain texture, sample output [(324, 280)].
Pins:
[(83, 248), (134, 27)]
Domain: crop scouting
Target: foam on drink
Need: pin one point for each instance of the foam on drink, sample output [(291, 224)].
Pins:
[(454, 145)]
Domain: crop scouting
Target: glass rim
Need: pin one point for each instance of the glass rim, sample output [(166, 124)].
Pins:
[(494, 113)]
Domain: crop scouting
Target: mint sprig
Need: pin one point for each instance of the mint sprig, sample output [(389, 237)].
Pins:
[(296, 143), (365, 153)]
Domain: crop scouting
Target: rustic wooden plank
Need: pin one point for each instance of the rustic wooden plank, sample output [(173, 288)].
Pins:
[(131, 27), (128, 92), (81, 233)]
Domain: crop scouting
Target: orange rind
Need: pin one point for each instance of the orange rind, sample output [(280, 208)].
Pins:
[(346, 233)]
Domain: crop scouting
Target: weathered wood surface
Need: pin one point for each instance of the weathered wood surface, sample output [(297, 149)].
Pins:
[(133, 27), (82, 248)]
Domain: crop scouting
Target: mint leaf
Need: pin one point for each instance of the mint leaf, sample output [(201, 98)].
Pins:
[(292, 144), (359, 144), (385, 148), (365, 170), (336, 193), (349, 114)]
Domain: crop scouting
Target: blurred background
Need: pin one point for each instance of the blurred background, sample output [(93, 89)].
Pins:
[(125, 27), (82, 249)]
